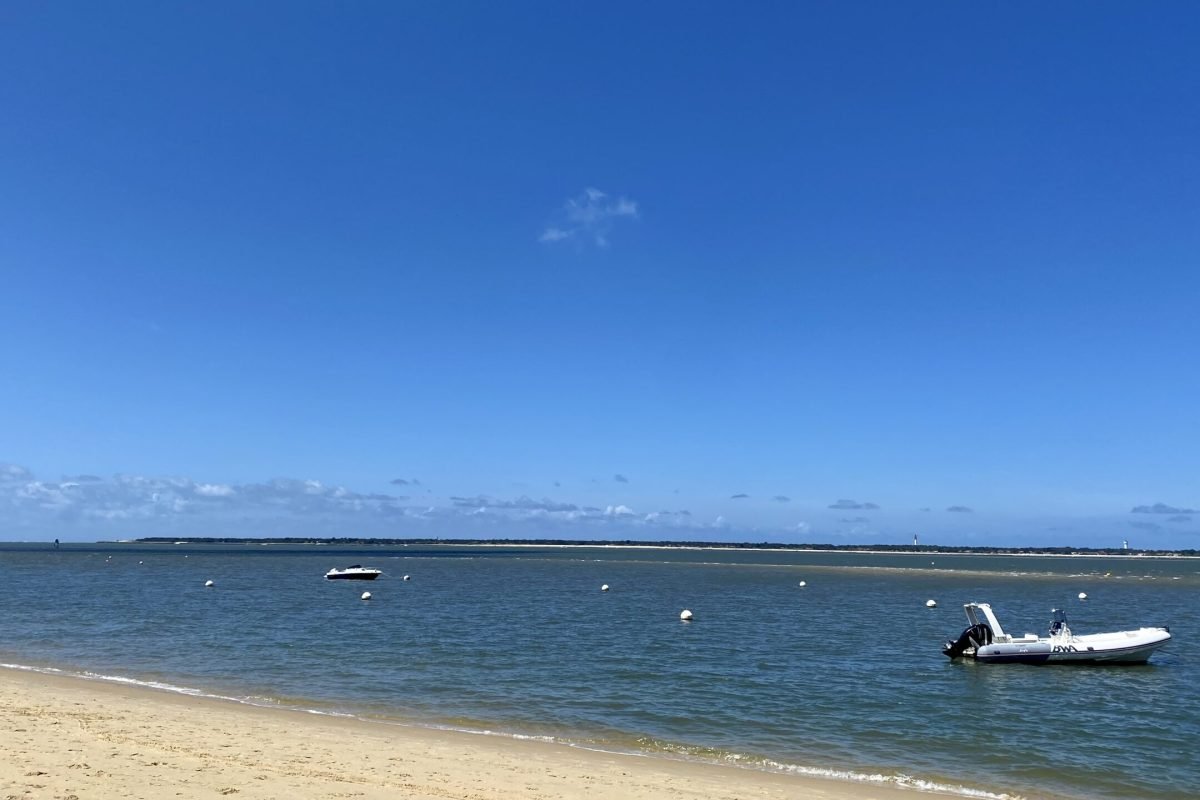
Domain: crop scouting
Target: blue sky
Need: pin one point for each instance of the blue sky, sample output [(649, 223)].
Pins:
[(596, 271)]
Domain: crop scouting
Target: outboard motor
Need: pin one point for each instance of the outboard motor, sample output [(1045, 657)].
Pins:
[(975, 636)]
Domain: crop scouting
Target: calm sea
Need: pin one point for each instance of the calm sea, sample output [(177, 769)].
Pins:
[(841, 677)]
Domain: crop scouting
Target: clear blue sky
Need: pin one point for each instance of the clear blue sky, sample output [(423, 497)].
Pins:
[(594, 270)]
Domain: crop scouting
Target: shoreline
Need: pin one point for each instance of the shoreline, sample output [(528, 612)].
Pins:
[(107, 738), (603, 545)]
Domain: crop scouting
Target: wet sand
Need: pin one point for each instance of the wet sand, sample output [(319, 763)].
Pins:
[(74, 739)]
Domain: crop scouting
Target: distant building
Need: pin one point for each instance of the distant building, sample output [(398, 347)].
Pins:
[(1124, 544), (915, 542)]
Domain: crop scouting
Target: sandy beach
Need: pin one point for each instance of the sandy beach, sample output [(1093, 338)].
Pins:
[(68, 738)]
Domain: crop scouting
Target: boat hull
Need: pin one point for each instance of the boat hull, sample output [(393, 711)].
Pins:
[(1125, 647), (354, 572)]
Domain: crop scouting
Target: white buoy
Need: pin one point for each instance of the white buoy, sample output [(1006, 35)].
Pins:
[(604, 588), (366, 595), (804, 583), (931, 603), (685, 615), (1083, 595), (406, 577), (209, 584)]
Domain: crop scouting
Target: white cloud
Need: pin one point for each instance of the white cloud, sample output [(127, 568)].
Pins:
[(553, 235), (132, 506), (178, 503), (12, 472), (588, 218)]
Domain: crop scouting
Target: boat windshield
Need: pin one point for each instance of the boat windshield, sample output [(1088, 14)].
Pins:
[(1058, 621)]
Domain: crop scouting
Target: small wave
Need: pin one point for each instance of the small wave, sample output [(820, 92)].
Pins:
[(527, 737), (743, 761), (250, 700), (901, 780), (161, 686), (121, 679)]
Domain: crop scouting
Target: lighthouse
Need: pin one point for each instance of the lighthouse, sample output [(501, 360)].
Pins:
[(915, 542)]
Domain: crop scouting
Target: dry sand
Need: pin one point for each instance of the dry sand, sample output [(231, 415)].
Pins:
[(63, 738)]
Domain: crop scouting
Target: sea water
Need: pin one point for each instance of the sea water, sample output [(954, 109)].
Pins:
[(842, 676)]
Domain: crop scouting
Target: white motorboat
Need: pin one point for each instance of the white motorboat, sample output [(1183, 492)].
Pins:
[(355, 572), (985, 640)]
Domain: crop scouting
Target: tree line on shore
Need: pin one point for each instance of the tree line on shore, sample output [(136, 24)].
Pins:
[(887, 548)]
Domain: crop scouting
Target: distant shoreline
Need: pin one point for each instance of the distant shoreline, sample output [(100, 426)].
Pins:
[(878, 549)]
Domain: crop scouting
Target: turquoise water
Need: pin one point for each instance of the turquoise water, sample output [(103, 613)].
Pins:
[(843, 676)]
